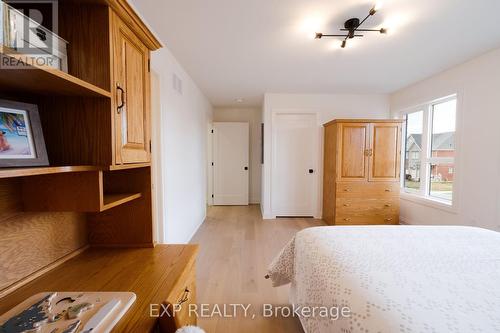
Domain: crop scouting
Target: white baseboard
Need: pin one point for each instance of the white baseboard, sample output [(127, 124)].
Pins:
[(254, 201), (196, 229)]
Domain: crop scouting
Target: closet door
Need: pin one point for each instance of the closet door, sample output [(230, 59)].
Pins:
[(231, 151), (385, 151), (132, 93), (353, 143)]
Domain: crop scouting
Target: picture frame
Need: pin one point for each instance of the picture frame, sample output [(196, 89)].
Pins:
[(21, 137)]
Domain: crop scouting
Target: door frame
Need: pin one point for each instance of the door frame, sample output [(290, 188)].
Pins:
[(317, 202), (156, 159), (210, 167)]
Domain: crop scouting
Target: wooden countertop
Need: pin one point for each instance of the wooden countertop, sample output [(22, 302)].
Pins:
[(151, 273)]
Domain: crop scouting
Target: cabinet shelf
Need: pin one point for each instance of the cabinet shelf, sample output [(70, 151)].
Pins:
[(24, 172), (128, 166), (113, 200), (44, 80)]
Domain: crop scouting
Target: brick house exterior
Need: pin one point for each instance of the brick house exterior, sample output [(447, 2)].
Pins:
[(443, 145)]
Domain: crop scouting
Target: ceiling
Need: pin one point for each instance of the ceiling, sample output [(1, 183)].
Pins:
[(243, 49)]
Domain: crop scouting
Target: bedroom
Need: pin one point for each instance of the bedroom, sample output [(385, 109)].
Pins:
[(269, 173)]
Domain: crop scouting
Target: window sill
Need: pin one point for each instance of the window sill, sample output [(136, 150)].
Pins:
[(430, 202)]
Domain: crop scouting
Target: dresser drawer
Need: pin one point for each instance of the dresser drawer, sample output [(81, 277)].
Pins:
[(367, 189), (182, 296), (367, 219), (345, 206)]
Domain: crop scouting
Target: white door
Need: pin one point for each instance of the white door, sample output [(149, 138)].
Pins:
[(294, 165), (231, 154)]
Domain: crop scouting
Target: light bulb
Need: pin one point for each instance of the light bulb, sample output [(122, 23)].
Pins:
[(376, 8)]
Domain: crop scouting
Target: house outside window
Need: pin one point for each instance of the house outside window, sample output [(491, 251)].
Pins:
[(429, 157)]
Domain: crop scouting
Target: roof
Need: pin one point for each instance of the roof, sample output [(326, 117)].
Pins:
[(440, 141)]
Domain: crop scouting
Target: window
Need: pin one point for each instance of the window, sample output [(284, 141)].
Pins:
[(414, 130), (430, 150)]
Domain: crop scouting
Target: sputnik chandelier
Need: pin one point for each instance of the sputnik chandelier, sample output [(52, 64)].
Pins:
[(353, 27)]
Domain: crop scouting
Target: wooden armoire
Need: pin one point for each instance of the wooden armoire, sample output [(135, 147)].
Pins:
[(361, 171)]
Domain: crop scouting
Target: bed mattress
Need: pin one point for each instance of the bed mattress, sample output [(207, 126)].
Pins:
[(394, 278)]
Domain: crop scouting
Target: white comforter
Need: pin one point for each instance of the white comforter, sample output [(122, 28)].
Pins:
[(395, 278)]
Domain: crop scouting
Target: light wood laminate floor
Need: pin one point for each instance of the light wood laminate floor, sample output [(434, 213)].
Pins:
[(236, 246)]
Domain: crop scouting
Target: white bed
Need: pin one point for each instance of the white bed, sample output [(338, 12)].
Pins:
[(395, 278)]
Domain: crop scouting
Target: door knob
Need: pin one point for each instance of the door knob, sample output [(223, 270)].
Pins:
[(246, 168), (311, 171)]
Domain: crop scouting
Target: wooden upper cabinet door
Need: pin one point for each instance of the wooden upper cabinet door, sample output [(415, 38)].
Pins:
[(385, 151), (352, 158), (132, 94)]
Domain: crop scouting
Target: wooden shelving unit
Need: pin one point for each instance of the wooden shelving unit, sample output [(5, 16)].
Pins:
[(128, 166), (113, 200), (97, 190), (45, 80), (24, 172)]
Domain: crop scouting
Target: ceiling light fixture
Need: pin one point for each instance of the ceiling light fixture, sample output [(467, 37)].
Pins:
[(352, 26)]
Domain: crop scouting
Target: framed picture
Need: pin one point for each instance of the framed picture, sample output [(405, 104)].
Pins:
[(21, 136)]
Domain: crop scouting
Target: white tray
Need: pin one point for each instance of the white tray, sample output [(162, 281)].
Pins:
[(99, 299)]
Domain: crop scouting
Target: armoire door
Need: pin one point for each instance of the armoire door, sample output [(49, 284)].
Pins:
[(131, 57), (353, 143), (385, 151)]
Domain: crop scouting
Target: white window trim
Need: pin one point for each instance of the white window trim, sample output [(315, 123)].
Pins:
[(422, 195)]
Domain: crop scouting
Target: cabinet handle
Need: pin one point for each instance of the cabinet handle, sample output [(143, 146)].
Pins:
[(388, 205), (388, 220), (370, 153), (346, 205), (347, 190), (122, 98), (347, 219), (185, 296), (388, 190)]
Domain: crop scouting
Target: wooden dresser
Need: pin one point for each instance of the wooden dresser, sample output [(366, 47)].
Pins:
[(361, 172)]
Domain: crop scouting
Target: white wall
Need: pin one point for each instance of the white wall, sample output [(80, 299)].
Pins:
[(327, 107), (183, 124), (254, 117), (477, 83)]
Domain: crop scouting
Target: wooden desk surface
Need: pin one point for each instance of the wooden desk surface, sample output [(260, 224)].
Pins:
[(151, 273)]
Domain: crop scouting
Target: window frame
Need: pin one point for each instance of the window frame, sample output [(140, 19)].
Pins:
[(422, 195)]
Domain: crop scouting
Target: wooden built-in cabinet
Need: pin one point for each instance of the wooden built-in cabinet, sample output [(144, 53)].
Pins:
[(132, 91), (164, 274), (110, 50), (361, 172), (97, 190)]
